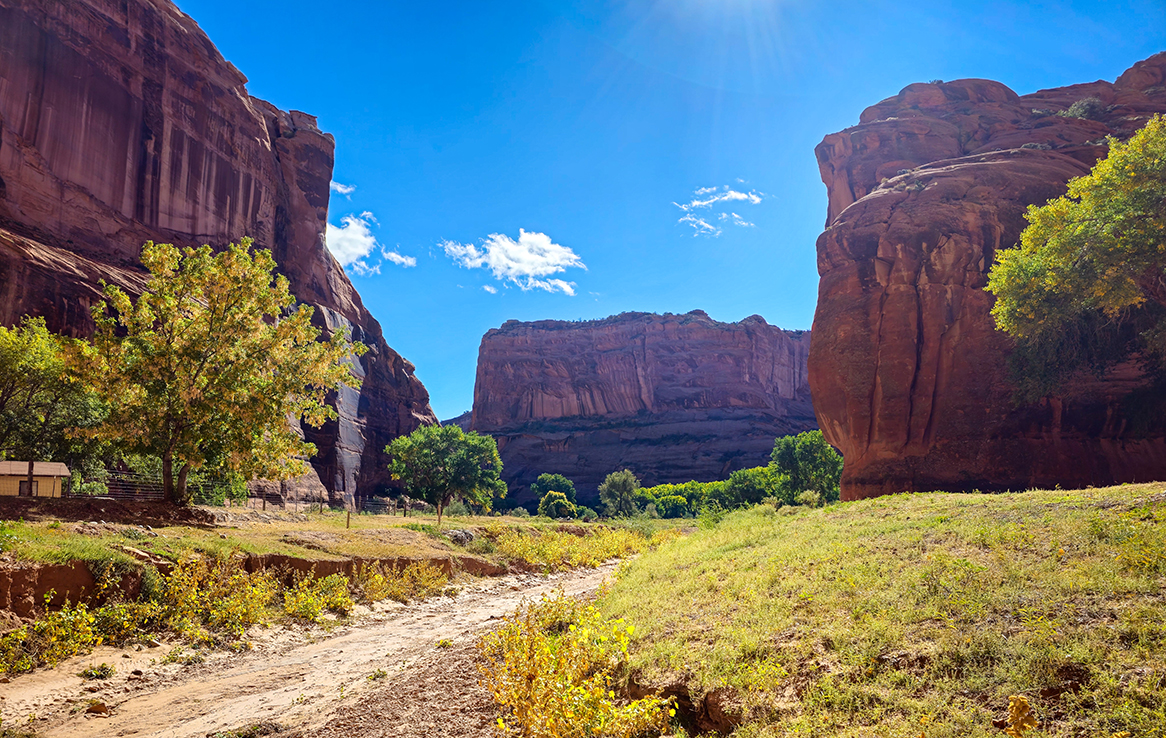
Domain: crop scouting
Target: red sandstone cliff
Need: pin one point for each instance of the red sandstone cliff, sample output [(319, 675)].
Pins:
[(671, 397), (119, 123), (909, 375)]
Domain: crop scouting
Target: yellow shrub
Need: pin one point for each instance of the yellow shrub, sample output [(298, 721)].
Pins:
[(550, 668), (219, 594), (310, 597), (50, 640), (375, 582), (556, 550)]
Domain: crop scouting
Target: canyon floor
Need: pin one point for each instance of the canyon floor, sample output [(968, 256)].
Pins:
[(309, 681)]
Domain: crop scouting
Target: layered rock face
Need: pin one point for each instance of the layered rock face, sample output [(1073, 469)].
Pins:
[(671, 397), (909, 375), (120, 123)]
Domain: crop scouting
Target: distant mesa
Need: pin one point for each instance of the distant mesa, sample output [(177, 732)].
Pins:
[(910, 377), (671, 397), (120, 122)]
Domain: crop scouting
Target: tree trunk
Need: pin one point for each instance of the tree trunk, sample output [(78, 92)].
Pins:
[(180, 492), (440, 507), (30, 479), (168, 478)]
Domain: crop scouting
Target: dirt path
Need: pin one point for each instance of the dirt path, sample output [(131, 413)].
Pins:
[(312, 680)]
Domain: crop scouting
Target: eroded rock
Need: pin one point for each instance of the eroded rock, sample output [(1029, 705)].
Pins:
[(909, 374), (120, 122)]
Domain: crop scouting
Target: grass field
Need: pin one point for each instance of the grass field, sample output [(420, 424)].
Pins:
[(915, 615)]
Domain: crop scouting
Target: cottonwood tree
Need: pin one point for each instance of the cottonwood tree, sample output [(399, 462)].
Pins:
[(1086, 286), (212, 365), (553, 483), (440, 463), (40, 400), (805, 462), (618, 493)]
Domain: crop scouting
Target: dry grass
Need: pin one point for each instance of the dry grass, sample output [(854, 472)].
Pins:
[(916, 615)]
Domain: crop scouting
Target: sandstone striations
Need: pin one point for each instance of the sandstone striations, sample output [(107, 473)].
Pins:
[(119, 123), (671, 397), (909, 375)]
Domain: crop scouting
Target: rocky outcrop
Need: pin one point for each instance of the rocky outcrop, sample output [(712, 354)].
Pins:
[(120, 123), (671, 397), (909, 375)]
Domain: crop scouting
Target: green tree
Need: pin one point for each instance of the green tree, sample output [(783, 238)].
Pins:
[(41, 401), (750, 486), (555, 504), (556, 482), (208, 365), (1086, 286), (806, 462), (440, 463), (672, 506), (618, 493)]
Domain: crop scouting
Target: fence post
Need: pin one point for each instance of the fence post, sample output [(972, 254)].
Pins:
[(348, 521)]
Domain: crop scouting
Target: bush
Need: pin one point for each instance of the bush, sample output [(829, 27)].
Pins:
[(808, 498), (374, 582), (520, 512), (711, 514), (556, 505), (550, 667), (643, 497), (310, 597), (1089, 108), (587, 515), (459, 509)]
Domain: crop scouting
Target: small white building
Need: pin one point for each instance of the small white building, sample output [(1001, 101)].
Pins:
[(47, 478)]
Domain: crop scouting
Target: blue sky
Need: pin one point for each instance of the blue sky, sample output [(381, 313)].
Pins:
[(544, 159)]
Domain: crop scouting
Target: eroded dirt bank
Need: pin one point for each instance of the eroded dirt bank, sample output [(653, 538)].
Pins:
[(312, 680)]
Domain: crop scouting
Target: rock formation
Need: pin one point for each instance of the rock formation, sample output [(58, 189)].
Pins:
[(671, 397), (120, 123), (909, 375)]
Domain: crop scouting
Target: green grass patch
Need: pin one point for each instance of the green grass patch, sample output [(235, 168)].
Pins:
[(915, 615)]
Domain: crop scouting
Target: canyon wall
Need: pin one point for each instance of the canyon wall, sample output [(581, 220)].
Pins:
[(120, 122), (909, 375), (670, 397)]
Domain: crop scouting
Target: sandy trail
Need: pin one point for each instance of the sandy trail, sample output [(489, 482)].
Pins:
[(300, 678)]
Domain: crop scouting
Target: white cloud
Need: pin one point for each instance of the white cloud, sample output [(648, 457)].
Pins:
[(700, 226), (492, 290), (353, 241), (342, 189), (399, 259), (752, 197), (715, 199), (526, 262)]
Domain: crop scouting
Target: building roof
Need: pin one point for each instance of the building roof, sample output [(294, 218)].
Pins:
[(39, 469)]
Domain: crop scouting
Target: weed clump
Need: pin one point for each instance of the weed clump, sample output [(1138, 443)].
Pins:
[(551, 668), (101, 671)]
